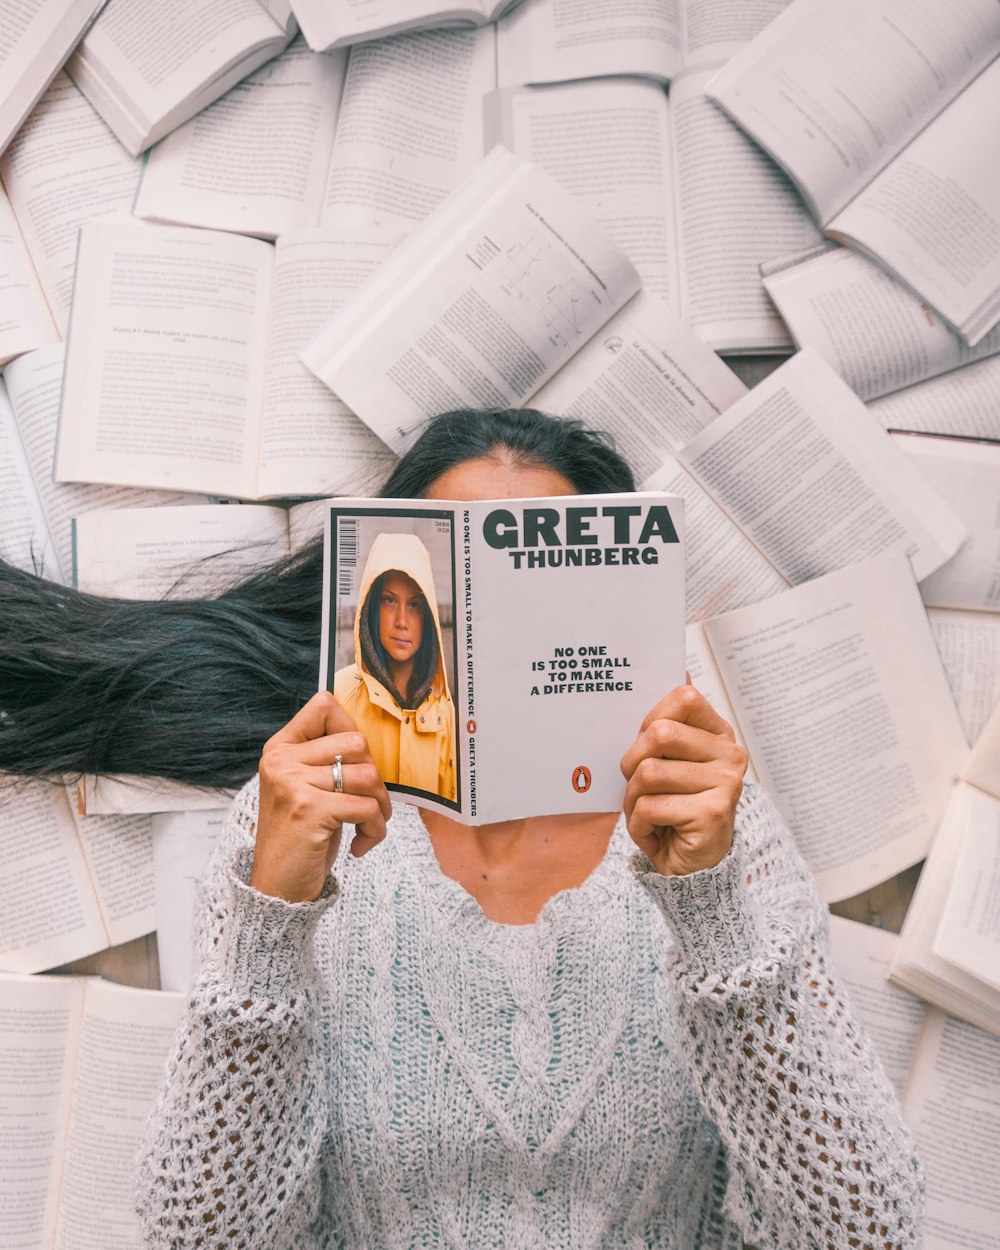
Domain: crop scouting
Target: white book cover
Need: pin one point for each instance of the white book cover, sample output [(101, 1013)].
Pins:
[(500, 656)]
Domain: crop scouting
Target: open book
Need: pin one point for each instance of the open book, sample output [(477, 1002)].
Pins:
[(182, 369), (36, 513), (69, 885), (548, 41), (270, 156), (693, 203), (182, 845), (36, 37), (875, 110), (850, 726), (884, 342), (477, 308), (180, 553), (81, 1064), (500, 656), (952, 1106), (336, 23), (147, 66)]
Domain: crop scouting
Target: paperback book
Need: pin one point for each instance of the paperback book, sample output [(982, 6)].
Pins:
[(500, 656)]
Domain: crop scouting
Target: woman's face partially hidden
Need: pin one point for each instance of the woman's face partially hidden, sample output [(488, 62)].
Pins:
[(401, 617)]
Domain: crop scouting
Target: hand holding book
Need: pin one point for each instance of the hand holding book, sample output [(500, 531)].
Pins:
[(685, 776), (302, 813)]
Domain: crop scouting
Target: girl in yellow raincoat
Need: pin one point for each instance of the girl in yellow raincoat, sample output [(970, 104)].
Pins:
[(397, 690)]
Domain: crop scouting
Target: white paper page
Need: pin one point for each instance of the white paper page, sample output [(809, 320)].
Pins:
[(48, 913), (803, 470), (183, 553), (311, 443), (876, 333), (256, 160), (968, 933), (25, 320), (549, 41), (833, 92), (915, 966), (145, 66), (351, 21), (164, 368), (933, 216), (735, 209), (982, 768), (125, 794), (952, 1105), (119, 854), (36, 36), (647, 380), (706, 679), (891, 1015), (845, 705), (39, 1027), (182, 843), (722, 568), (479, 308), (964, 403), (410, 126), (715, 30), (969, 646), (24, 534), (967, 477), (34, 382), (608, 144), (124, 1044), (64, 168)]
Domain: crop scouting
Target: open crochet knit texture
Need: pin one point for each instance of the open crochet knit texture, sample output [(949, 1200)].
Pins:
[(658, 1061)]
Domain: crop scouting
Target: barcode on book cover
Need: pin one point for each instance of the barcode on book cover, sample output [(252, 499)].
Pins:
[(347, 557)]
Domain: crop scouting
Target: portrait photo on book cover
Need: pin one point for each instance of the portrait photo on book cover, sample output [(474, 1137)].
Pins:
[(393, 649)]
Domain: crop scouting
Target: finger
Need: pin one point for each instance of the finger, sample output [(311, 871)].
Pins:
[(362, 843), (688, 705), (321, 715), (357, 779), (352, 747), (646, 814), (659, 776), (673, 740)]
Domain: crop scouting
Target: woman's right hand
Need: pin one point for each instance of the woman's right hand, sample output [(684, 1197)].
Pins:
[(300, 818)]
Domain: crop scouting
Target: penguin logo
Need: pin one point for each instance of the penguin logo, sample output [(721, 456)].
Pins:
[(471, 726), (581, 779)]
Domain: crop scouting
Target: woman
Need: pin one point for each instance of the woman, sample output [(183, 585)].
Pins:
[(614, 1031), (396, 691)]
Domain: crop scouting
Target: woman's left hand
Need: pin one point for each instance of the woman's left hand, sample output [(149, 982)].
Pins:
[(685, 776)]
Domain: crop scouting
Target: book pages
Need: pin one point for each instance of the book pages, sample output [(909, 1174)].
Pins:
[(34, 383), (119, 854), (647, 380), (165, 361), (964, 403), (969, 646), (25, 320), (967, 477), (36, 37), (148, 67), (24, 533), (410, 127), (952, 1105), (933, 216), (892, 1016), (48, 911), (851, 725), (480, 307), (352, 21), (182, 844), (703, 673), (256, 161), (63, 169), (835, 93), (715, 30), (812, 481), (982, 768), (968, 933)]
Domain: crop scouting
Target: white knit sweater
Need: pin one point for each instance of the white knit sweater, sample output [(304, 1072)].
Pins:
[(657, 1062)]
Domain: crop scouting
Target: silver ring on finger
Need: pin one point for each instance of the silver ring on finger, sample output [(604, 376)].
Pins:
[(338, 774)]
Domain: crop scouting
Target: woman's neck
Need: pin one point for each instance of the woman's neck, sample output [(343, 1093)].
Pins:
[(512, 868)]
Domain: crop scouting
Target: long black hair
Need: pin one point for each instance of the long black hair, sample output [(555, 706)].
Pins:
[(192, 689)]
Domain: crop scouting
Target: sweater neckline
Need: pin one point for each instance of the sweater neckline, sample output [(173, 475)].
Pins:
[(450, 898)]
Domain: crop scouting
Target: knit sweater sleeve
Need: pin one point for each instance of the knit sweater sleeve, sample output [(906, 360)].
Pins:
[(818, 1155), (230, 1152)]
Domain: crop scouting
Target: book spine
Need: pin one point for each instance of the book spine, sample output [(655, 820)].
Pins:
[(467, 735)]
